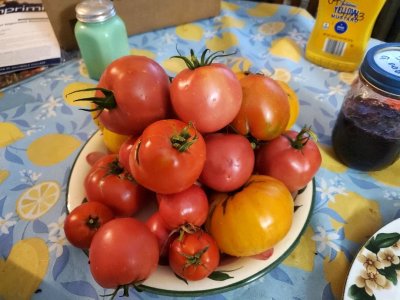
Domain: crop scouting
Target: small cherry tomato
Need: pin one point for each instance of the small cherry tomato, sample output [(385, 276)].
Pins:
[(194, 256), (229, 162), (187, 207), (84, 221)]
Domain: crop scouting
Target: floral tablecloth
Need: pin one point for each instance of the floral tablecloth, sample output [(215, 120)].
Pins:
[(41, 134)]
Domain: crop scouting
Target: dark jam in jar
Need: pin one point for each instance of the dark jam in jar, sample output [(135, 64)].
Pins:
[(366, 135)]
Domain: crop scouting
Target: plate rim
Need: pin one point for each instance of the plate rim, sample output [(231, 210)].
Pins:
[(347, 282), (217, 290)]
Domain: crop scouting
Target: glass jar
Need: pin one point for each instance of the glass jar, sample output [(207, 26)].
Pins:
[(101, 35), (366, 135)]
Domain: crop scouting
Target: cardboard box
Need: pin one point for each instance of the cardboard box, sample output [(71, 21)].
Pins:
[(139, 15)]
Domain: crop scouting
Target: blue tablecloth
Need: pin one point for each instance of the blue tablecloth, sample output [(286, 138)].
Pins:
[(41, 135)]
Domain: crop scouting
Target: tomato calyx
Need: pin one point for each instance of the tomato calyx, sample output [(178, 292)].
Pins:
[(125, 288), (302, 138), (195, 259), (106, 102), (183, 140), (193, 62), (93, 222)]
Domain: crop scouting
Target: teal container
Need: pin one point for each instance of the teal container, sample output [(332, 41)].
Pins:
[(101, 35)]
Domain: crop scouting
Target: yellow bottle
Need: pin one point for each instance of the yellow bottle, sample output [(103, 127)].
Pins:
[(341, 33)]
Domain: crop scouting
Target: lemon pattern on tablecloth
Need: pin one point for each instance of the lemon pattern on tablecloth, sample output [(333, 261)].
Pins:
[(38, 200), (223, 43), (52, 148), (10, 133), (271, 28), (24, 269), (390, 176), (231, 22), (303, 255), (190, 32), (336, 229), (263, 10), (286, 48)]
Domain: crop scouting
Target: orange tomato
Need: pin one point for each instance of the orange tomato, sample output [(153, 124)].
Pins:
[(265, 109), (293, 103), (253, 219)]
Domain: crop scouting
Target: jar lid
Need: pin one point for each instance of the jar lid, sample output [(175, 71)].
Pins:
[(91, 11), (381, 67)]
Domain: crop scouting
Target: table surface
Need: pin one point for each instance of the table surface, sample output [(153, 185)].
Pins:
[(41, 134)]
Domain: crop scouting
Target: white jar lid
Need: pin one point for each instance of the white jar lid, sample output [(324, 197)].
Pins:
[(92, 11)]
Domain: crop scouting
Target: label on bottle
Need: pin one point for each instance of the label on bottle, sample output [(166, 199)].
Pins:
[(341, 32), (389, 61)]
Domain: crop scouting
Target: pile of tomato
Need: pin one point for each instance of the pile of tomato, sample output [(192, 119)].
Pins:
[(211, 148)]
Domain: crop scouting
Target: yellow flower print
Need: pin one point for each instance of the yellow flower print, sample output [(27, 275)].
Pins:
[(387, 257), (370, 261), (371, 280)]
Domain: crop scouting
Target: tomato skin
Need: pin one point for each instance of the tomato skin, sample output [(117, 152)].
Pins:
[(252, 220), (190, 245), (141, 91), (92, 157), (158, 166), (294, 167), (229, 162), (157, 225), (265, 109), (187, 207), (123, 251), (125, 150), (118, 191), (209, 96), (84, 221)]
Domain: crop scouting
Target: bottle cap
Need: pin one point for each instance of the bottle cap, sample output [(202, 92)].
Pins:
[(92, 11), (381, 67)]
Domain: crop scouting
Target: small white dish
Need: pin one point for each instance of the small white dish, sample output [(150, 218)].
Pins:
[(240, 270), (375, 272)]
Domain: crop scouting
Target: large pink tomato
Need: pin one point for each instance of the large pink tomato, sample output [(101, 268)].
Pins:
[(229, 162), (207, 94)]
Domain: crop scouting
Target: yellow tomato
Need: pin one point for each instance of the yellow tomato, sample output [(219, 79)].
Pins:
[(112, 140), (253, 219), (293, 103)]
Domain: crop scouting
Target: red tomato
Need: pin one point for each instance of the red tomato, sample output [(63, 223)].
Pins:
[(83, 222), (265, 109), (158, 226), (137, 94), (168, 157), (124, 152), (187, 207), (207, 94), (229, 162), (293, 158), (194, 256), (107, 182), (123, 252), (92, 157)]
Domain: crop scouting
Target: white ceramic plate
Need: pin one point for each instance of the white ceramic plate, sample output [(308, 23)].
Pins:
[(375, 272), (242, 270)]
